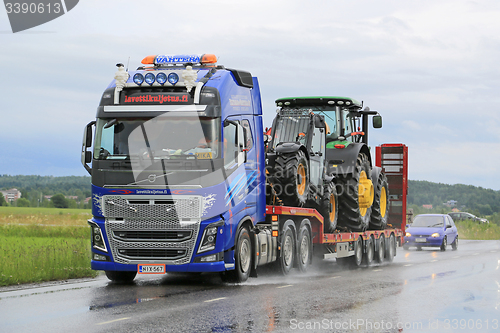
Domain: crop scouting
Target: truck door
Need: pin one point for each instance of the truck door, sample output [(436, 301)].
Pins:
[(317, 159)]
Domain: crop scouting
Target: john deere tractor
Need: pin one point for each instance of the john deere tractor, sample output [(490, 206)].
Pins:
[(318, 157)]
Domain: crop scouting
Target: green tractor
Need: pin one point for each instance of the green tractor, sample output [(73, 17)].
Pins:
[(318, 157)]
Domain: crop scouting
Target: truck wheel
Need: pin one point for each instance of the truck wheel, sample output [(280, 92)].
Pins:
[(328, 208), (291, 178), (380, 253), (121, 277), (304, 252), (390, 249), (284, 263), (242, 259), (356, 196), (357, 259), (380, 207), (369, 252)]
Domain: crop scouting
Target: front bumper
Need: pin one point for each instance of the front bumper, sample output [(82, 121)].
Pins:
[(429, 241), (218, 266)]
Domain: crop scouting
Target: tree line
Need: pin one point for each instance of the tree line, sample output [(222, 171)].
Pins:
[(35, 188)]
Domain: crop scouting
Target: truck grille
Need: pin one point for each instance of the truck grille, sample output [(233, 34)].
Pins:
[(158, 230)]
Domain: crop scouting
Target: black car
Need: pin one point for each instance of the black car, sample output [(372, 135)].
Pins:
[(462, 216)]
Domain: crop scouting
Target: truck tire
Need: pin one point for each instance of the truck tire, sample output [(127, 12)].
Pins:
[(284, 263), (121, 277), (369, 252), (380, 207), (242, 259), (353, 215), (357, 258), (380, 253), (304, 249), (390, 249), (329, 208), (291, 178)]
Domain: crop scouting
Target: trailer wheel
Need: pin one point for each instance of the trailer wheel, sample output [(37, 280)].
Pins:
[(370, 250), (242, 259), (304, 249), (380, 207), (390, 249), (329, 207), (380, 254), (356, 196), (121, 277), (291, 178), (284, 264), (357, 259)]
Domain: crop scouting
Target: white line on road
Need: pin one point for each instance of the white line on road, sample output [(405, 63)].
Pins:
[(288, 285), (408, 265), (112, 321), (215, 299), (456, 257), (377, 270), (434, 260), (335, 277)]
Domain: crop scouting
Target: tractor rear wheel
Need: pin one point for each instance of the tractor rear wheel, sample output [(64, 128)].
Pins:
[(291, 178), (329, 207), (356, 196), (380, 207)]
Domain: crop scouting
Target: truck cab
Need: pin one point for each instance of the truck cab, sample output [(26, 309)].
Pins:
[(176, 159)]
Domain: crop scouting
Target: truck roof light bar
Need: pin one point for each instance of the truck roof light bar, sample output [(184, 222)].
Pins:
[(203, 59)]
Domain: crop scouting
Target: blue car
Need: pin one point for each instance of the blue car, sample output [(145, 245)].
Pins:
[(432, 230)]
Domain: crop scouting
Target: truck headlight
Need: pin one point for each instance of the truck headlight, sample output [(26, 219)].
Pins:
[(97, 238), (208, 240)]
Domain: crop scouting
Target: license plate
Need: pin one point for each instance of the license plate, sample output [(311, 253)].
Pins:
[(421, 240), (151, 269)]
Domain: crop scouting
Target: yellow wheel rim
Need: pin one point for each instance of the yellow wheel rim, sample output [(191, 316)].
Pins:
[(301, 172), (333, 207), (365, 193), (383, 202)]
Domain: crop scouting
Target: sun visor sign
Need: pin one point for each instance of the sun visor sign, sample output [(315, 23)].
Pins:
[(156, 98)]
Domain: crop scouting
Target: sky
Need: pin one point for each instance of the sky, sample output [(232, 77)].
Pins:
[(431, 68)]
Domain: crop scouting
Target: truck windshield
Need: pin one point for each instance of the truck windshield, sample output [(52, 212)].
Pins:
[(164, 137)]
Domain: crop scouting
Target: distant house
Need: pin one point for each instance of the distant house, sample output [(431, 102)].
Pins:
[(11, 195), (427, 206), (451, 203)]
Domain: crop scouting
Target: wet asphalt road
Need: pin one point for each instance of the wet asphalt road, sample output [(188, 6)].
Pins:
[(421, 291)]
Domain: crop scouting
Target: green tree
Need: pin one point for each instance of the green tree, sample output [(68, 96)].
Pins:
[(22, 202), (59, 201), (2, 200)]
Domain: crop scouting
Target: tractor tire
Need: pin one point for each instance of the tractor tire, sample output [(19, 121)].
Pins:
[(352, 215), (291, 178), (329, 207), (380, 207)]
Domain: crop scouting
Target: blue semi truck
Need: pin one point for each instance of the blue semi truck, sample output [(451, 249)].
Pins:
[(177, 158)]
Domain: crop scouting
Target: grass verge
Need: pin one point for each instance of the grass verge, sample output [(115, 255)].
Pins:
[(43, 244), (475, 231)]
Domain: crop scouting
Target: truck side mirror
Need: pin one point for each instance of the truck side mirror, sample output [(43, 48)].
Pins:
[(377, 121), (87, 143)]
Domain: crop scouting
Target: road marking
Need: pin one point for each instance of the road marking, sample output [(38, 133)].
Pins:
[(377, 270), (335, 277), (408, 265), (456, 257), (112, 321), (476, 254), (215, 299), (288, 285), (434, 260), (493, 251)]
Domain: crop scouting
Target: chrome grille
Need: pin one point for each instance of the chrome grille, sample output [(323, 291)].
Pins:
[(159, 230)]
